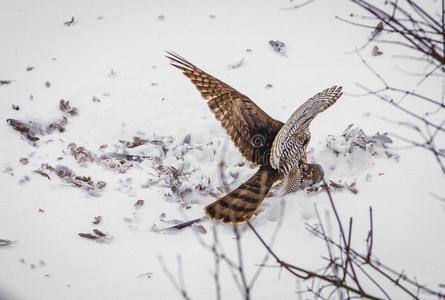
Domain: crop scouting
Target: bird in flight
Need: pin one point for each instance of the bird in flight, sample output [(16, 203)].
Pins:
[(279, 149)]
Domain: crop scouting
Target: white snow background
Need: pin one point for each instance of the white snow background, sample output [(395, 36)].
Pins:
[(144, 96)]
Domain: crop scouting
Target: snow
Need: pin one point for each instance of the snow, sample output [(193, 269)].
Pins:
[(115, 52)]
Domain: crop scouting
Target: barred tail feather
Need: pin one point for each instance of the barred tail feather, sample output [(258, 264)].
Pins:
[(240, 205)]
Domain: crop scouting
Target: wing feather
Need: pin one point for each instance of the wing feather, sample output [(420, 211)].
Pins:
[(249, 127), (241, 204), (290, 143)]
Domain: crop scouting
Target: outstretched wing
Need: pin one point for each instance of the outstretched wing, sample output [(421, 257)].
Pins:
[(249, 127), (290, 143)]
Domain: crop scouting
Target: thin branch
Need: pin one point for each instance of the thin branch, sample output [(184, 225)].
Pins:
[(297, 6), (217, 263), (402, 108), (219, 252), (381, 268), (443, 27), (328, 245), (308, 274), (271, 242), (359, 266), (340, 225), (246, 289), (370, 238), (179, 287)]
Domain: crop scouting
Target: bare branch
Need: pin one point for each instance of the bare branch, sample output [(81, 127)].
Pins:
[(297, 6), (178, 286), (308, 274), (246, 289)]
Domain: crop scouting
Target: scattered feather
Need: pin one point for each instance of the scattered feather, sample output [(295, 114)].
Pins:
[(97, 220), (312, 189), (40, 172), (130, 157), (70, 22), (88, 236), (66, 108), (5, 82), (139, 203), (187, 139), (335, 185), (4, 242), (237, 64), (99, 233), (28, 130), (97, 236), (83, 182), (278, 47), (377, 30), (146, 275), (376, 51), (112, 74), (356, 138), (199, 228), (137, 141), (23, 161), (352, 188), (24, 180), (8, 170)]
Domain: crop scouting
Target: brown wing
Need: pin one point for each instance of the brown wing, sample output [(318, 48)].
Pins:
[(249, 127), (240, 205)]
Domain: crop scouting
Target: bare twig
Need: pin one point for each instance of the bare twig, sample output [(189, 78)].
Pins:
[(297, 6), (217, 264), (271, 242), (245, 286), (306, 274), (178, 286), (370, 238)]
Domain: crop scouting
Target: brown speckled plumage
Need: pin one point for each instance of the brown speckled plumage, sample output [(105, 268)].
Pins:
[(292, 139), (279, 149)]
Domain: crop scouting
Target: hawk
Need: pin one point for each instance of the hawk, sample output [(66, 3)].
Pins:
[(279, 149)]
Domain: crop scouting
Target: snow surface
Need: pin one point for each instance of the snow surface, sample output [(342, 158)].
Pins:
[(115, 52)]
